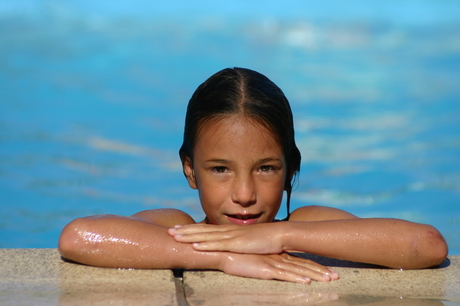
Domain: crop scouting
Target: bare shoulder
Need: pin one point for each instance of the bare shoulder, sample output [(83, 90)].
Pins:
[(164, 216), (319, 213)]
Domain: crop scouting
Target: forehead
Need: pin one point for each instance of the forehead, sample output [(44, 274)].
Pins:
[(230, 133)]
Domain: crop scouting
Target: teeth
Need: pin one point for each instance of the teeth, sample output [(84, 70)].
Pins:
[(244, 217)]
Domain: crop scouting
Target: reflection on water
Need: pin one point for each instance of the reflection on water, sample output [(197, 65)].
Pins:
[(311, 298), (72, 297), (93, 99)]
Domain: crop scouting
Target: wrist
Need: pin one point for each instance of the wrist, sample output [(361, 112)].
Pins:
[(285, 234), (206, 260), (224, 260)]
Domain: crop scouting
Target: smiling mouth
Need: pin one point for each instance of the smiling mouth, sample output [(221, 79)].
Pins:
[(245, 217)]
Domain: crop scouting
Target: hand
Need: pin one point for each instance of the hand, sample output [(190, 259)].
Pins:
[(276, 266), (254, 239), (264, 258)]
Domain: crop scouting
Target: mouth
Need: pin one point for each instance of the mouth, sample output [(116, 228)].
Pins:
[(245, 219)]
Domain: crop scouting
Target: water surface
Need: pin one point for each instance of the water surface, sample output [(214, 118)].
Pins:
[(93, 97)]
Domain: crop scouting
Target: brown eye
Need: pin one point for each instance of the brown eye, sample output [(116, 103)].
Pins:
[(219, 169), (267, 168)]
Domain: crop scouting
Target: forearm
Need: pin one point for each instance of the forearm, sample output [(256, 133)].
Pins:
[(122, 242), (388, 242)]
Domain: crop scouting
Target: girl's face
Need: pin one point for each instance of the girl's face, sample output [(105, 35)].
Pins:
[(239, 170)]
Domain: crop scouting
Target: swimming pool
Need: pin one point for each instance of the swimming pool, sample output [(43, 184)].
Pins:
[(93, 99)]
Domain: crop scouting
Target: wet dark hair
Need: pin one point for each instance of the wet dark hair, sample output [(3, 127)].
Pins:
[(240, 91)]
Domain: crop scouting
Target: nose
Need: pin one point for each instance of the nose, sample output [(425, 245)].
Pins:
[(244, 191)]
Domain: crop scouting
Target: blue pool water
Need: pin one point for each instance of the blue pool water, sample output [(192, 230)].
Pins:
[(93, 97)]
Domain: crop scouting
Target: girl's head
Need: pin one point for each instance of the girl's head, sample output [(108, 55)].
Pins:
[(243, 93)]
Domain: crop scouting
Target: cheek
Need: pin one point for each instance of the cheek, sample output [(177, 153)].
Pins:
[(210, 197), (272, 194)]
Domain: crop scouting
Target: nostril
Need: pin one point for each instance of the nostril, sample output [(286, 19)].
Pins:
[(244, 201), (244, 193)]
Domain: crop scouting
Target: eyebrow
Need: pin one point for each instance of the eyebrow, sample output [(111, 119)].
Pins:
[(227, 161), (218, 160)]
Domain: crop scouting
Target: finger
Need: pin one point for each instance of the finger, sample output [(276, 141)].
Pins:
[(281, 274), (179, 230), (311, 265), (322, 272), (198, 228), (303, 271), (201, 237), (212, 246)]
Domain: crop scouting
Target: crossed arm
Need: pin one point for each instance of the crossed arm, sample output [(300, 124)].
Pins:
[(387, 242), (150, 240), (142, 241)]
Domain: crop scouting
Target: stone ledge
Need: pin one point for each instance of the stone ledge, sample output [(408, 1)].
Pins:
[(40, 276), (358, 285)]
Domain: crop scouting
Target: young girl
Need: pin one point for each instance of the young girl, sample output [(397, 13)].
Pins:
[(239, 153)]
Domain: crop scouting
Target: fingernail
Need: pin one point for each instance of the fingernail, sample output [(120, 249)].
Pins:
[(334, 274), (177, 226)]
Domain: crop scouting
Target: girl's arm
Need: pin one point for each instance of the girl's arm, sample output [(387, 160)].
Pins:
[(328, 232), (138, 242), (128, 242), (393, 243)]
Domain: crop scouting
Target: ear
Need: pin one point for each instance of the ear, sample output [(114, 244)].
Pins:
[(189, 172)]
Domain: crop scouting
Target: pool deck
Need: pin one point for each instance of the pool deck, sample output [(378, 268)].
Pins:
[(40, 276)]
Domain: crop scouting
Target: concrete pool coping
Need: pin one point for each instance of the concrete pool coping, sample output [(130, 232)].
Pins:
[(40, 276)]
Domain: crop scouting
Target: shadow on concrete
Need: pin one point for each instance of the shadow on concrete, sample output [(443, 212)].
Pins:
[(333, 262)]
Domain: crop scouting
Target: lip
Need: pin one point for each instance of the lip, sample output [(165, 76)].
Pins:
[(241, 219)]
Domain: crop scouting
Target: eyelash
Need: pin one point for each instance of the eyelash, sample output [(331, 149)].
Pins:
[(270, 168), (218, 169), (222, 169)]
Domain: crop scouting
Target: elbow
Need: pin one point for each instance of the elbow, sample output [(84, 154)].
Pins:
[(71, 242), (439, 248), (432, 250)]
